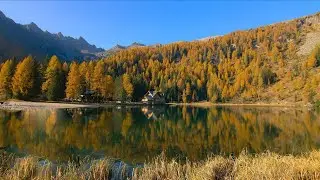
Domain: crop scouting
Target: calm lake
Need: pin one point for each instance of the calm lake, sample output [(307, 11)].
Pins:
[(136, 134)]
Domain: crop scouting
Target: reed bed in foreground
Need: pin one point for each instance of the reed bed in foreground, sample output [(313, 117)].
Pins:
[(260, 166)]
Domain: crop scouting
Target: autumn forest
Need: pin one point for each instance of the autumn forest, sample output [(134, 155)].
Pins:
[(258, 65)]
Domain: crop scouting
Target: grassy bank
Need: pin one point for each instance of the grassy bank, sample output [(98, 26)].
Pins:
[(261, 166)]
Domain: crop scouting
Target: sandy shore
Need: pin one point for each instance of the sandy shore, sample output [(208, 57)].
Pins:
[(20, 105)]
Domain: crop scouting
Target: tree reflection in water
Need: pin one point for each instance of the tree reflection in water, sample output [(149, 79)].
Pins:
[(134, 134)]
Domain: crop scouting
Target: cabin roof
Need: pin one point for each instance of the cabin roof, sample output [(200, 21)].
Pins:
[(152, 93)]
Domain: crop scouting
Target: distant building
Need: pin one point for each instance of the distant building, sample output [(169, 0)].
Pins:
[(88, 96), (153, 97)]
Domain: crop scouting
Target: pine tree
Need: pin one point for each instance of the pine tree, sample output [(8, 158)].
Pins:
[(139, 86), (23, 81), (53, 86), (119, 92), (73, 86), (6, 74)]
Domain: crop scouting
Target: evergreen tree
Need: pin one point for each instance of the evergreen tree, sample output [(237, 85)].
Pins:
[(140, 88), (119, 93), (53, 86)]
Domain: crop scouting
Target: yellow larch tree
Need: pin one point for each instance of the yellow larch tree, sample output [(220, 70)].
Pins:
[(89, 74), (109, 84), (98, 79), (73, 85), (6, 74), (127, 85), (23, 80), (83, 70)]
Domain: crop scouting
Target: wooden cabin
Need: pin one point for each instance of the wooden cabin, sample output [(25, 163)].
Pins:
[(153, 97), (88, 96)]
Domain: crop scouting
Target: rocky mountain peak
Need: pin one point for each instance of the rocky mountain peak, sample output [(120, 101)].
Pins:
[(2, 15), (60, 35), (33, 27), (118, 46), (81, 39), (135, 44)]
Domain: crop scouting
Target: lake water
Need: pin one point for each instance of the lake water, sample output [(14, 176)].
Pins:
[(135, 134)]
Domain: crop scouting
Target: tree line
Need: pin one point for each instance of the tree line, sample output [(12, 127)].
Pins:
[(253, 65), (31, 79)]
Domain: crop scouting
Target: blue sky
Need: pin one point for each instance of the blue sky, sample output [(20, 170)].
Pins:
[(107, 23)]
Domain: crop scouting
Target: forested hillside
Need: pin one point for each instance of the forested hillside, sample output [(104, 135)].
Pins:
[(278, 63)]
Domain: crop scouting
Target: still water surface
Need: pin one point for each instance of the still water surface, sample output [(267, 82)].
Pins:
[(136, 134)]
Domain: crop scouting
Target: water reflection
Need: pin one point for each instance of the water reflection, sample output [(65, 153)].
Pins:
[(135, 133)]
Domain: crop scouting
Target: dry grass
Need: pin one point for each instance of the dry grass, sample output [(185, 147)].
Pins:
[(260, 166)]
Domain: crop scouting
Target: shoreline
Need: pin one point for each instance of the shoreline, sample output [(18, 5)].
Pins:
[(21, 105), (209, 104)]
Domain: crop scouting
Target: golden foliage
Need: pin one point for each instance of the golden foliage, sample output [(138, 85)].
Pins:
[(6, 74), (73, 87), (23, 79)]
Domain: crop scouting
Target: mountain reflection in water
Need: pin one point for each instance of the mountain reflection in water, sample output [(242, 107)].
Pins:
[(135, 134)]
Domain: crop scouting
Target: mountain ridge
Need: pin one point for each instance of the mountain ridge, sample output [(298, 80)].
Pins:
[(21, 40), (118, 48)]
